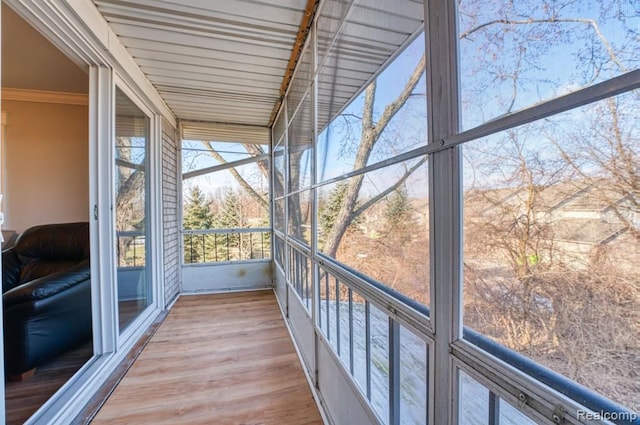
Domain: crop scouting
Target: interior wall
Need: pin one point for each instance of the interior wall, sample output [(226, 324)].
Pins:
[(46, 164)]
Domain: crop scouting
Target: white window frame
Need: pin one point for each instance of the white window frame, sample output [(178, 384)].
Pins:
[(129, 335), (81, 33)]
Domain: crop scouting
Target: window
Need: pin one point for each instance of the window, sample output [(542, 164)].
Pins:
[(382, 213), (551, 250), (225, 201), (131, 211), (516, 54), (520, 215), (550, 244)]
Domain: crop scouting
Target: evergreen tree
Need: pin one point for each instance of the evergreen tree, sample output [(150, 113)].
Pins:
[(197, 211), (232, 214), (196, 216), (398, 215), (398, 209), (328, 213)]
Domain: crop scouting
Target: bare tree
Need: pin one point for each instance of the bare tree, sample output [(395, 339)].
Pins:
[(371, 133), (516, 53), (606, 152)]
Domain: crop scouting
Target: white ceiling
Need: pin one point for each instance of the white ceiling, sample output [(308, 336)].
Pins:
[(219, 61), (225, 61)]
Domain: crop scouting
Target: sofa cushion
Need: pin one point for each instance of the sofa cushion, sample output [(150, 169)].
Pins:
[(51, 248), (38, 269), (49, 285), (54, 242)]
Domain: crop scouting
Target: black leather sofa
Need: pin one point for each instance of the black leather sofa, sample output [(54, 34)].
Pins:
[(46, 294)]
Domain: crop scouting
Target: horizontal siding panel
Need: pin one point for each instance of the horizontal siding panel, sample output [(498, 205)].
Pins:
[(225, 132), (199, 55), (223, 44), (281, 13), (204, 76), (211, 85), (225, 70)]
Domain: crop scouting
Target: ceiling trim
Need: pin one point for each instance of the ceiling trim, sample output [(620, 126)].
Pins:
[(43, 96)]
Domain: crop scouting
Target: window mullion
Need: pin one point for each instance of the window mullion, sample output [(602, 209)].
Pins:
[(444, 203)]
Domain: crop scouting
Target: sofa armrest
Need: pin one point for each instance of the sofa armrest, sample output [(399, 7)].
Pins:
[(47, 286)]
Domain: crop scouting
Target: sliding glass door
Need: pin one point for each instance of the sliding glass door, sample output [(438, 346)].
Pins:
[(132, 209)]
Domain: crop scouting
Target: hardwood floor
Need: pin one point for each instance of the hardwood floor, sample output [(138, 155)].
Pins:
[(217, 359), (24, 398)]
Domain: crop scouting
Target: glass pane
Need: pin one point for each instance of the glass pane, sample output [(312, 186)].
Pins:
[(248, 182), (379, 363), (343, 331), (299, 206), (232, 198), (395, 106), (278, 249), (323, 308), (301, 148), (473, 401), (339, 80), (278, 129), (278, 166), (301, 81), (228, 198), (371, 34), (300, 276), (330, 16), (413, 379), (386, 219), (131, 186), (307, 287), (509, 415), (551, 243), (359, 342), (198, 155), (331, 285), (514, 54), (278, 212)]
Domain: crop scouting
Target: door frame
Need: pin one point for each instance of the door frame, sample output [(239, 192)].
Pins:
[(82, 34)]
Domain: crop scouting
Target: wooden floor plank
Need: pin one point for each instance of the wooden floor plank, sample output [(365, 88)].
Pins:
[(22, 399), (216, 359)]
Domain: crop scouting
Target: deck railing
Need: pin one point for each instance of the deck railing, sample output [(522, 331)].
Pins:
[(131, 248), (388, 360), (223, 245)]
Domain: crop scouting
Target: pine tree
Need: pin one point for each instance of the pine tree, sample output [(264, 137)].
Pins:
[(398, 209), (196, 216), (197, 211), (399, 215), (328, 212), (232, 214)]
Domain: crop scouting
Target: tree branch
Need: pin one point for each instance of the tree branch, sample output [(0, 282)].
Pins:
[(246, 186), (370, 134), (551, 20), (392, 109), (388, 190)]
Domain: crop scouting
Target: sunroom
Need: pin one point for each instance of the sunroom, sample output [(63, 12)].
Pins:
[(438, 200)]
